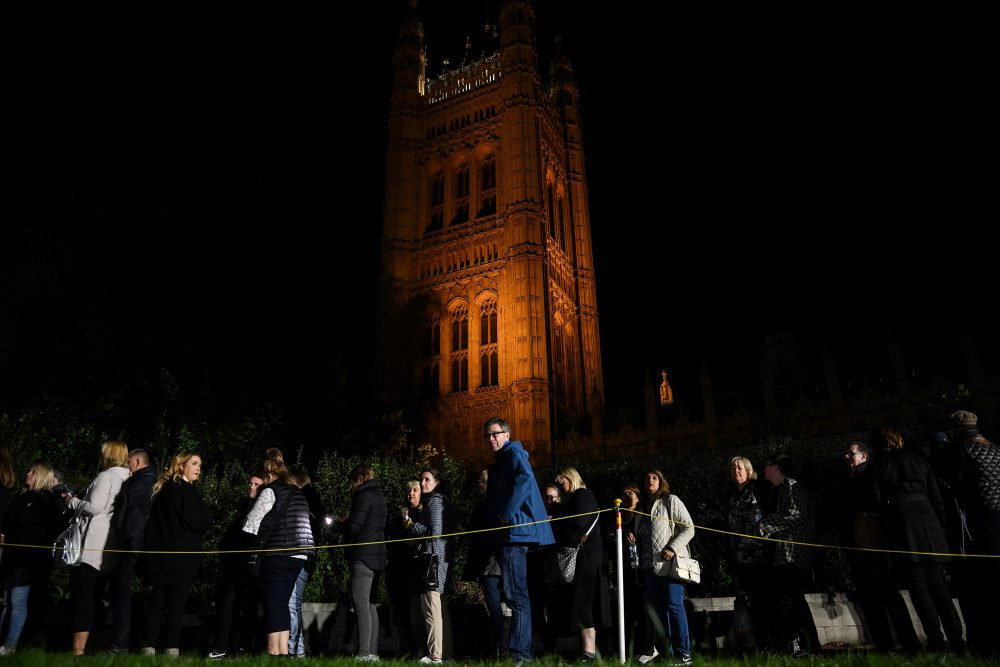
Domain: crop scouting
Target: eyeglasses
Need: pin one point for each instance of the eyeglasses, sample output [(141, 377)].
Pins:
[(552, 497), (495, 434)]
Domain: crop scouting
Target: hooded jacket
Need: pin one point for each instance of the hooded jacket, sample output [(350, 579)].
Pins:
[(513, 499)]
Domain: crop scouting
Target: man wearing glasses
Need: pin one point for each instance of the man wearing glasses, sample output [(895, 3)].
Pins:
[(514, 501)]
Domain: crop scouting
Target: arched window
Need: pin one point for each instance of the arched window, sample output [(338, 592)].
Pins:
[(552, 211), (437, 204), (432, 355), (460, 349), (488, 187), (489, 366), (562, 225), (461, 195)]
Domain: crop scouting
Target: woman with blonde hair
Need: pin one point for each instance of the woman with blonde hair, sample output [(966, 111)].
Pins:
[(744, 509), (178, 520), (35, 518), (664, 534), (96, 507), (584, 595), (399, 569)]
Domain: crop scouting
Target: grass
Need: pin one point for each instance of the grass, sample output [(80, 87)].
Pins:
[(833, 658)]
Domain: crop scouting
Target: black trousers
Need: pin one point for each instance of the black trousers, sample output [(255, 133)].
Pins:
[(85, 582), (235, 610), (120, 588), (787, 609), (883, 608)]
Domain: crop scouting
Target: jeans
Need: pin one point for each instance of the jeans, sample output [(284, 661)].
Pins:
[(666, 597), (296, 638), (514, 577), (491, 591), (15, 612)]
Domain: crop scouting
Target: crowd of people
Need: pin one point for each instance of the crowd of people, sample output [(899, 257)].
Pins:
[(909, 514)]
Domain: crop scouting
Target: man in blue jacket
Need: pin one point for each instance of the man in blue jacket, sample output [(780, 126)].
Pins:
[(513, 501)]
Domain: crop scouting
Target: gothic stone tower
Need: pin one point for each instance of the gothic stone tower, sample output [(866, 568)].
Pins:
[(487, 295)]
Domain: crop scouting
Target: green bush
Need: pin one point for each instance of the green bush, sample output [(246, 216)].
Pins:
[(63, 434)]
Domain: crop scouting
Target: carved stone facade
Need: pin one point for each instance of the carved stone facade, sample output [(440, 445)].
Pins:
[(487, 302)]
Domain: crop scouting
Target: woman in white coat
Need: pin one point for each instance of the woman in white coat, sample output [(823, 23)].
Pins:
[(662, 536), (97, 503)]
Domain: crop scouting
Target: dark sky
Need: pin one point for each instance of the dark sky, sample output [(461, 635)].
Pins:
[(202, 181)]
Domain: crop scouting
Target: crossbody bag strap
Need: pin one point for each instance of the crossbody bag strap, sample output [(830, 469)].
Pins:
[(584, 538)]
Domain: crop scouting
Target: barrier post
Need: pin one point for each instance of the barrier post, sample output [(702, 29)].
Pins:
[(620, 581)]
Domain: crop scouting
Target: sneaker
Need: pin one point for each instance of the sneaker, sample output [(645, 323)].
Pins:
[(587, 657), (149, 650), (367, 658), (682, 660), (5, 651), (216, 655), (646, 659), (797, 650), (427, 660)]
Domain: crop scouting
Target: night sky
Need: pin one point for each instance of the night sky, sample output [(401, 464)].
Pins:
[(200, 186)]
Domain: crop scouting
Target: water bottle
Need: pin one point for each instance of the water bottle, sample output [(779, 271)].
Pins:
[(633, 556)]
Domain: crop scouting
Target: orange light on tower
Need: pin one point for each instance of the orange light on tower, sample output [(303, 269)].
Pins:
[(666, 393)]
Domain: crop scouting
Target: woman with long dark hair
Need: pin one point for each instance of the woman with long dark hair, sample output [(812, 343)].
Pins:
[(638, 630), (663, 535), (431, 527)]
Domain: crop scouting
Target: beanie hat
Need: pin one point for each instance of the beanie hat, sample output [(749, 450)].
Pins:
[(938, 437), (964, 418)]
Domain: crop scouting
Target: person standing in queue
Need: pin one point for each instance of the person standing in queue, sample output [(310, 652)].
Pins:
[(514, 501)]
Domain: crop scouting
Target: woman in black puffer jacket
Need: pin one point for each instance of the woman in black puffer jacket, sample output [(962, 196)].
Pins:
[(280, 520), (364, 526)]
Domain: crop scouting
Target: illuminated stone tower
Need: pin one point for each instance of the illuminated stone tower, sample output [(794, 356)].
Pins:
[(487, 295)]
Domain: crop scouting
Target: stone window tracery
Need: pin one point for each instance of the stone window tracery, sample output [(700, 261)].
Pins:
[(460, 349), (489, 363)]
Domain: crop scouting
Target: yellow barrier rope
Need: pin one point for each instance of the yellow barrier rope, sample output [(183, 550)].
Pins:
[(496, 528)]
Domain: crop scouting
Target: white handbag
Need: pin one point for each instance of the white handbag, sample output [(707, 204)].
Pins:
[(685, 569)]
